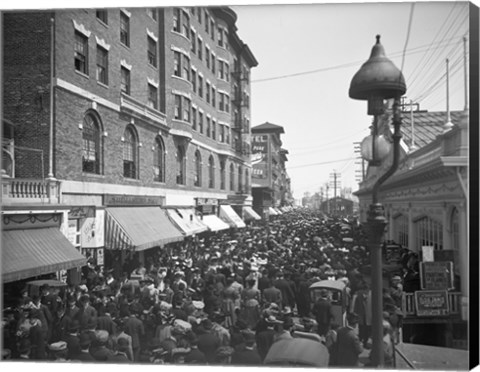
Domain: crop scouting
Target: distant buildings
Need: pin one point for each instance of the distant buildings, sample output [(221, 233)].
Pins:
[(270, 182)]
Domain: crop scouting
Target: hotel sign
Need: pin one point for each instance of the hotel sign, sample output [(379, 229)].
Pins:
[(133, 200)]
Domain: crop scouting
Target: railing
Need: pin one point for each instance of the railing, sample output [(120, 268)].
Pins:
[(17, 190), (408, 303)]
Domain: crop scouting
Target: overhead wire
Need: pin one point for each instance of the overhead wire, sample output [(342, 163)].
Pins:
[(320, 163)]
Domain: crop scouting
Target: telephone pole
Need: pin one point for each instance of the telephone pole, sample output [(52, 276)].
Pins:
[(336, 183)]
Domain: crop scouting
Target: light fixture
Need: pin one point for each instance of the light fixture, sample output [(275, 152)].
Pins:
[(378, 80), (375, 152)]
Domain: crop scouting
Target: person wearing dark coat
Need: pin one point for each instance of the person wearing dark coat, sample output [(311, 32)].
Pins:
[(84, 354), (208, 342), (272, 294), (347, 348), (102, 353), (265, 338), (134, 328), (195, 356), (288, 294), (247, 355), (105, 322), (322, 312), (120, 355), (72, 339)]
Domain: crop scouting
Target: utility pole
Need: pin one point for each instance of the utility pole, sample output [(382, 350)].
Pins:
[(336, 183), (360, 161), (448, 125)]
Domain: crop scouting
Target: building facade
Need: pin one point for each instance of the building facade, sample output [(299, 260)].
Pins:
[(112, 109), (426, 205), (270, 181)]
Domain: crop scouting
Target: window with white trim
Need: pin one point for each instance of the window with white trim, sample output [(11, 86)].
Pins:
[(152, 51), (208, 129), (207, 23), (177, 19), (232, 177), (214, 97), (186, 68), (200, 48), (212, 29), (130, 153), (186, 24), (200, 86), (222, 174), (194, 118), (207, 92), (92, 145), (428, 232), (159, 155), (213, 63), (124, 29), (125, 80), (211, 172), (102, 65), (152, 96), (200, 122), (102, 15), (214, 129), (401, 230), (193, 38), (81, 53), (194, 80), (207, 56), (197, 175)]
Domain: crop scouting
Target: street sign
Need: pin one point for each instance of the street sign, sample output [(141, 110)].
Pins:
[(436, 275), (431, 303)]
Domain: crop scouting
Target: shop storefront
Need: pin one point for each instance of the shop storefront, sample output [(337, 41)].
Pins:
[(228, 215), (33, 246)]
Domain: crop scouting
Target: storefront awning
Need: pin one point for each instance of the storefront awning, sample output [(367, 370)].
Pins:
[(272, 211), (279, 212), (214, 223), (138, 228), (250, 214), (186, 220), (33, 252), (231, 217)]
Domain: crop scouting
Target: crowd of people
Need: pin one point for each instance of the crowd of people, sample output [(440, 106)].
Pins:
[(220, 298)]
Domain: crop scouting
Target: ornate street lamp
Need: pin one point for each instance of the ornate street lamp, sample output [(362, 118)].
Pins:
[(378, 80)]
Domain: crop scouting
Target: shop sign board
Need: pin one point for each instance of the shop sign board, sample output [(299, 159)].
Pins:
[(93, 231), (132, 200), (437, 275), (206, 201), (431, 303), (81, 211)]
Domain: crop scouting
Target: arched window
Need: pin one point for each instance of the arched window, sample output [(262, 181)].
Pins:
[(232, 177), (211, 172), (159, 160), (130, 153), (240, 179), (197, 176), (222, 174), (180, 165), (92, 145), (428, 233)]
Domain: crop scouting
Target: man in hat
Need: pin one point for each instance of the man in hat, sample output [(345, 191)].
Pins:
[(72, 338), (84, 354), (102, 353), (120, 334), (105, 321), (194, 356), (87, 311), (208, 342), (347, 348), (323, 313), (120, 354), (288, 293), (272, 294), (134, 327), (59, 351), (38, 335), (24, 349), (247, 355), (265, 337)]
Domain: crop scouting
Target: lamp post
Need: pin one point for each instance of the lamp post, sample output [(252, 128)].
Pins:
[(377, 80)]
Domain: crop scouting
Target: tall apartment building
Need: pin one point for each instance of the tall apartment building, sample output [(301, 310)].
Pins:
[(110, 113), (270, 181)]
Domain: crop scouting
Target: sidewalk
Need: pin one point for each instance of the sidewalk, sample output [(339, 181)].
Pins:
[(425, 357)]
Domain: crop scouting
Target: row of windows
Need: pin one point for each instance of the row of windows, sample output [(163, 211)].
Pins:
[(92, 157), (197, 180), (102, 14)]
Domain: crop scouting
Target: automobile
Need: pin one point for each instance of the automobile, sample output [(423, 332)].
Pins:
[(297, 351), (337, 293)]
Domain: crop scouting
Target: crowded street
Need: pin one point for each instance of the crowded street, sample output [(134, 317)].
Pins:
[(219, 298)]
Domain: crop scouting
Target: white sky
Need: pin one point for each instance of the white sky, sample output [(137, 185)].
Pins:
[(321, 122)]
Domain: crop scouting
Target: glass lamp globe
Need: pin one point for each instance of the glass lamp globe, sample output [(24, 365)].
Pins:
[(382, 148)]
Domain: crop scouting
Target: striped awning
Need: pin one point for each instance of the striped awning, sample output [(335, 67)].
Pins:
[(231, 217), (272, 211), (250, 214), (214, 223), (34, 252), (186, 220), (138, 228)]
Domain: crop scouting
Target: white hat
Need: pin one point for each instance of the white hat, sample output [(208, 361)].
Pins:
[(58, 346)]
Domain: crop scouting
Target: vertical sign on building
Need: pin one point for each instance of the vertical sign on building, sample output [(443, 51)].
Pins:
[(259, 156)]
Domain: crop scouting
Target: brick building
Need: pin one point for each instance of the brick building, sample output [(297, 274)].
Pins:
[(271, 184), (110, 110)]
